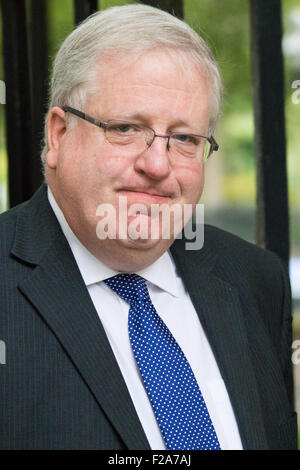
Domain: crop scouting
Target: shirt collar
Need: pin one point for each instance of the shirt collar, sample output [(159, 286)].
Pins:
[(162, 273)]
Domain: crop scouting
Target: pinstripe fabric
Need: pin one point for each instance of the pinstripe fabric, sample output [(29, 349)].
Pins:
[(61, 387)]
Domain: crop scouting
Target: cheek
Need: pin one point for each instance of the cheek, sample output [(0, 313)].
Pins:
[(92, 161), (191, 180), (108, 163)]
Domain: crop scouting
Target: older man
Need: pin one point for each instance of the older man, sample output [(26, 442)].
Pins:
[(114, 341)]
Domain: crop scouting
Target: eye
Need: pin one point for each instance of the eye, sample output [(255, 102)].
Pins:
[(186, 139), (123, 128)]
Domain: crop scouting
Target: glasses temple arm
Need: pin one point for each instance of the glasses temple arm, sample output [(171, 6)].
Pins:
[(84, 116)]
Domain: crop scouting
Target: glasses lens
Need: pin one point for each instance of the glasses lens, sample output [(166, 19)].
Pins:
[(121, 133), (186, 145), (132, 137)]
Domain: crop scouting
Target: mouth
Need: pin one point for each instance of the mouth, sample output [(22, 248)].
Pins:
[(146, 196)]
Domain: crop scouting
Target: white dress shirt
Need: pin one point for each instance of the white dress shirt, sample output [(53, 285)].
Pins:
[(173, 304)]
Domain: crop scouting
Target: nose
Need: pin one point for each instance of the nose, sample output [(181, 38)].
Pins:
[(155, 161)]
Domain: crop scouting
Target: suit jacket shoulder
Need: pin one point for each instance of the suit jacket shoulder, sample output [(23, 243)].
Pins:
[(260, 276)]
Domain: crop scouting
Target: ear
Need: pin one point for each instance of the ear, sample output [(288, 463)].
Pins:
[(56, 128)]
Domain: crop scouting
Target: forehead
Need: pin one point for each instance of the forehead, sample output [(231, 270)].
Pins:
[(155, 82)]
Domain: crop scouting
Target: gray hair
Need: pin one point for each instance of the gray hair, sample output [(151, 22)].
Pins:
[(135, 28)]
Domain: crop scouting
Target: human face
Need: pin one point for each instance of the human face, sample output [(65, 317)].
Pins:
[(86, 171)]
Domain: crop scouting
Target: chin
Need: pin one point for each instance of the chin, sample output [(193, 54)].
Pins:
[(136, 256), (142, 244), (127, 255)]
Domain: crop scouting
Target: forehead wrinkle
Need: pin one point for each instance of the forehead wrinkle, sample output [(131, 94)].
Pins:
[(121, 88), (181, 90)]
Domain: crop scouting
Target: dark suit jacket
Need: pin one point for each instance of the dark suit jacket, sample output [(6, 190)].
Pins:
[(61, 387)]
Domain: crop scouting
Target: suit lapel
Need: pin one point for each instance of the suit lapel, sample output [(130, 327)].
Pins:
[(56, 290), (220, 312)]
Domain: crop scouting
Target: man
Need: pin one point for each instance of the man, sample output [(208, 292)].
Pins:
[(132, 341)]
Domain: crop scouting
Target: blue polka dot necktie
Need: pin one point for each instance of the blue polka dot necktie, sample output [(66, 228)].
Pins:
[(174, 394)]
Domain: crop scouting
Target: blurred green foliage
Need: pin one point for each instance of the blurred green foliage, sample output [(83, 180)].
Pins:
[(60, 23), (225, 27)]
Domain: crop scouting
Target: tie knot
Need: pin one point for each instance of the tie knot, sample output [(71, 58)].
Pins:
[(131, 287)]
